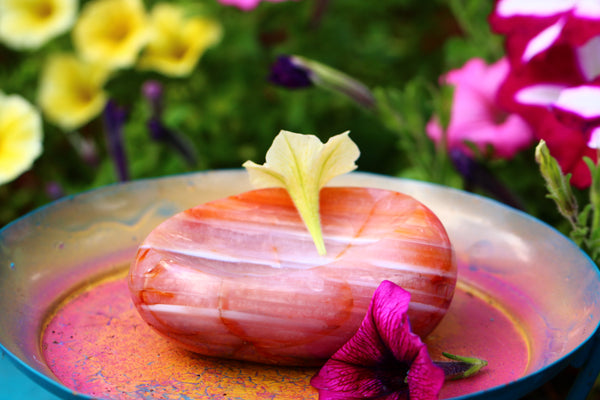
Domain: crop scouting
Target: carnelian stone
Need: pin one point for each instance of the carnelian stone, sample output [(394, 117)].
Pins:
[(241, 278)]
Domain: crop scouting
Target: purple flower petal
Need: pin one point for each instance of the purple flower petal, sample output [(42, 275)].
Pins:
[(284, 72), (424, 382), (477, 175), (54, 190), (342, 380), (114, 119), (153, 92), (384, 359), (389, 310)]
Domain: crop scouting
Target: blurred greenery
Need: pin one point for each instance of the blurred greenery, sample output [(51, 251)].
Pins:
[(230, 112)]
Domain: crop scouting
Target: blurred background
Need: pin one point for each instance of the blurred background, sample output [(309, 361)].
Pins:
[(223, 110)]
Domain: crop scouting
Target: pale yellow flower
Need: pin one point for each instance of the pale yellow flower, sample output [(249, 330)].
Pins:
[(303, 165), (20, 136), (111, 32), (176, 42), (71, 91), (28, 24)]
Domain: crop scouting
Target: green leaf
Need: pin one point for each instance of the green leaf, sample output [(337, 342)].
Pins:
[(593, 242), (474, 365), (557, 183)]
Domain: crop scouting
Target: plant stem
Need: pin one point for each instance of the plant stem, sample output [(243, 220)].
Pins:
[(461, 367)]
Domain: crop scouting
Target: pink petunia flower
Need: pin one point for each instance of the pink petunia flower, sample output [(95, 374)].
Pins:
[(533, 26), (476, 116), (246, 5), (384, 360)]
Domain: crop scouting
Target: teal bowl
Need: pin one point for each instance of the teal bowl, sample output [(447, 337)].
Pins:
[(528, 299)]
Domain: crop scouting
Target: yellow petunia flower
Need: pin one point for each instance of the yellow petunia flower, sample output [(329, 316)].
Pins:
[(302, 164), (176, 42), (71, 91), (111, 32), (20, 136), (28, 24)]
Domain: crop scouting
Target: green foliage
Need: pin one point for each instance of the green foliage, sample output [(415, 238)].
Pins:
[(406, 112), (585, 224), (477, 40)]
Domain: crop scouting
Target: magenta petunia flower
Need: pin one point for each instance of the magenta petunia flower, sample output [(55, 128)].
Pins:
[(384, 360), (246, 5), (564, 125), (532, 89), (476, 116), (533, 26), (579, 106)]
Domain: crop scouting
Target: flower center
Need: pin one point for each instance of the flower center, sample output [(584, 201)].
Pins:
[(179, 51), (119, 32), (392, 376), (85, 95), (43, 10), (499, 116)]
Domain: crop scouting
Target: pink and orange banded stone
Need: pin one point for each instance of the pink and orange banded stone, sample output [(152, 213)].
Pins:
[(241, 278)]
